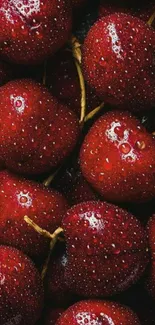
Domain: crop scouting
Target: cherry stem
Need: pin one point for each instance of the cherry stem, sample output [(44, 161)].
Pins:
[(151, 19), (50, 178), (53, 237), (93, 112), (43, 232), (87, 118), (76, 51), (45, 73), (47, 261)]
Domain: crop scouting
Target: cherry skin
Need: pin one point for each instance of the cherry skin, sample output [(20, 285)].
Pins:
[(106, 249), (97, 312), (118, 61), (37, 132), (20, 197), (142, 10), (151, 237), (117, 158), (52, 316), (56, 290), (32, 30), (21, 289)]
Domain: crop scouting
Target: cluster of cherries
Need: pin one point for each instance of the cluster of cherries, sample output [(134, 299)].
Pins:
[(76, 245)]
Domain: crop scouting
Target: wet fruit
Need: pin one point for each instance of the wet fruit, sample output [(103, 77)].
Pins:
[(21, 289)]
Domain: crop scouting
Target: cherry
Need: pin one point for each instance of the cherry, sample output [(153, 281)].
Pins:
[(117, 158), (32, 30), (52, 316), (151, 237), (20, 197), (21, 290), (57, 291), (63, 80), (37, 132), (96, 312), (118, 61), (141, 10), (106, 249)]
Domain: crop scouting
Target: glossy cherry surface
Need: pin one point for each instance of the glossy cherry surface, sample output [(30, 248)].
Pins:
[(98, 313), (118, 61), (106, 249), (32, 30), (20, 197), (117, 158), (36, 132), (21, 290)]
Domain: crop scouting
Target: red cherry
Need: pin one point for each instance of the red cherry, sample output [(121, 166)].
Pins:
[(106, 249), (98, 312), (142, 10), (21, 290), (57, 291), (52, 316), (117, 158), (63, 80), (20, 197), (118, 61), (36, 132), (32, 30)]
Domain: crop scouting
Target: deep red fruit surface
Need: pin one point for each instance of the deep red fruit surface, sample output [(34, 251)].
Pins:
[(151, 237), (21, 291), (19, 197), (57, 291), (142, 10), (118, 61), (106, 249), (98, 313), (52, 316), (63, 80), (117, 158), (36, 132), (32, 30)]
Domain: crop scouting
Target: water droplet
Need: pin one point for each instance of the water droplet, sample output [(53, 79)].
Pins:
[(140, 145), (107, 164), (125, 147), (23, 199), (102, 62), (117, 251)]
